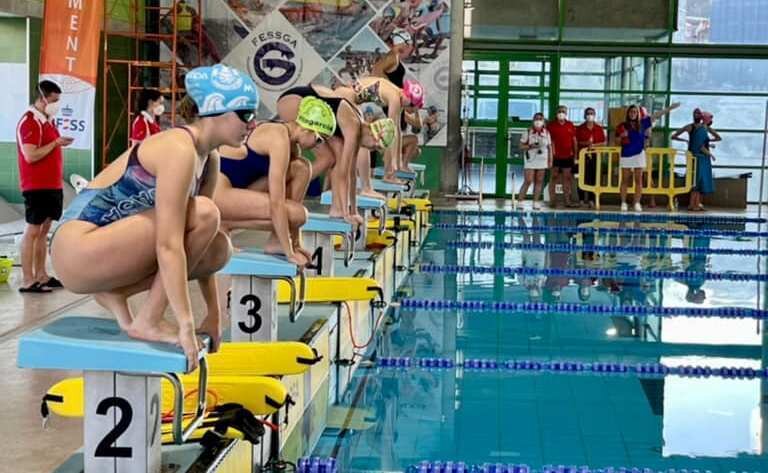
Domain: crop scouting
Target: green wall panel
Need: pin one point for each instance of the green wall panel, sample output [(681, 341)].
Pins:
[(14, 40)]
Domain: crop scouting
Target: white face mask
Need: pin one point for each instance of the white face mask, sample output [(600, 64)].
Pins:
[(590, 118), (52, 109), (561, 115), (538, 123), (159, 110)]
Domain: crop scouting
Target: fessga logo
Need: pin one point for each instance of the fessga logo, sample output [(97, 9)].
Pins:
[(275, 63)]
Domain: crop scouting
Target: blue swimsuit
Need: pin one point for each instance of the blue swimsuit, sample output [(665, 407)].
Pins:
[(133, 193), (244, 172)]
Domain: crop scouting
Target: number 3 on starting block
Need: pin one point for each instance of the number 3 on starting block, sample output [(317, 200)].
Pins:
[(254, 313)]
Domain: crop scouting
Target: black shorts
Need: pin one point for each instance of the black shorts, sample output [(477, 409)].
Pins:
[(566, 163), (40, 205)]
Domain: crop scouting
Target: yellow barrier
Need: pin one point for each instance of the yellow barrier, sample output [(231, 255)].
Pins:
[(659, 173)]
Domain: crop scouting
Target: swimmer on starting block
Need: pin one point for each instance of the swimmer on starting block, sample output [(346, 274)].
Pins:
[(341, 150), (147, 221), (263, 182)]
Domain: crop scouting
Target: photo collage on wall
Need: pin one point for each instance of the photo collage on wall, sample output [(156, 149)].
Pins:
[(288, 43)]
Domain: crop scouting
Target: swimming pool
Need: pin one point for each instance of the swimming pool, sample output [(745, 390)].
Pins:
[(398, 417)]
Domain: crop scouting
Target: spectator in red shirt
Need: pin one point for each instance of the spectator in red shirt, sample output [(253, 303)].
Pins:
[(563, 134), (41, 171), (152, 106), (588, 135)]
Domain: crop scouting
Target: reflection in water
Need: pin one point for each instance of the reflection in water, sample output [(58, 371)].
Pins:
[(546, 418)]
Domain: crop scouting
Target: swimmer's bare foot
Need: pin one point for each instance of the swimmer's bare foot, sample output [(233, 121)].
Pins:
[(273, 246), (154, 331), (373, 193), (392, 180), (117, 305)]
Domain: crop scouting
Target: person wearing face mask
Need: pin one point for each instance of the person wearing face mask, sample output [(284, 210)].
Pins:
[(537, 144), (700, 134), (150, 214), (632, 135), (563, 134), (152, 106), (41, 171), (588, 135)]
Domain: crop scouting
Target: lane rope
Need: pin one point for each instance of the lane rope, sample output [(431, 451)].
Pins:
[(573, 308), (604, 248), (640, 370), (577, 273), (614, 216), (700, 232)]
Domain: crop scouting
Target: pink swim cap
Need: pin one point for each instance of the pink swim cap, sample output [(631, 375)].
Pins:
[(414, 92)]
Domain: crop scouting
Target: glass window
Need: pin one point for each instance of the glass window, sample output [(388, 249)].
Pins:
[(736, 149), (515, 20), (583, 81), (746, 113), (586, 20), (526, 81), (488, 79), (528, 66), (720, 75), (577, 102), (722, 22), (483, 142), (487, 109), (488, 65)]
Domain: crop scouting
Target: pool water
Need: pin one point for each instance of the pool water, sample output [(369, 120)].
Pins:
[(405, 416)]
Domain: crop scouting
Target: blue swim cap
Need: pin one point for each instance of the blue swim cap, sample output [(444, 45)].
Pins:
[(220, 89)]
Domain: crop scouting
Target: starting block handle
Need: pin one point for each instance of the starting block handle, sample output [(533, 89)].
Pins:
[(348, 240), (296, 304), (180, 435)]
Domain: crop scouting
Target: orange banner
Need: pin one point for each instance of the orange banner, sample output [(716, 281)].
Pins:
[(71, 31)]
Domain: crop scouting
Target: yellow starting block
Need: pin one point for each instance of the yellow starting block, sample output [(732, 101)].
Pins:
[(320, 290), (373, 239), (420, 205), (405, 223), (259, 394)]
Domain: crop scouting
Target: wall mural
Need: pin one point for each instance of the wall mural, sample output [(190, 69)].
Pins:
[(285, 43)]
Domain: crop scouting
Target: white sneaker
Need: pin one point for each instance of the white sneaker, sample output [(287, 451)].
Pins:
[(624, 207), (536, 205), (638, 207)]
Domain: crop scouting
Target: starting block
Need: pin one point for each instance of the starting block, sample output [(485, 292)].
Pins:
[(318, 233), (254, 288), (122, 410), (401, 174), (366, 205)]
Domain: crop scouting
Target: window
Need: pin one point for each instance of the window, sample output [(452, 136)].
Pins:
[(722, 22)]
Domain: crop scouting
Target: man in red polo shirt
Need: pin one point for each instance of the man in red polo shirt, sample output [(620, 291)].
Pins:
[(589, 134), (40, 171), (563, 134)]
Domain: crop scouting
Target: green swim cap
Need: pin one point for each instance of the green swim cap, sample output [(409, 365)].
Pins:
[(316, 115), (383, 130)]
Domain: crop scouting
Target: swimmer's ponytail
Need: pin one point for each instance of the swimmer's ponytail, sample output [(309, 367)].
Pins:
[(188, 110)]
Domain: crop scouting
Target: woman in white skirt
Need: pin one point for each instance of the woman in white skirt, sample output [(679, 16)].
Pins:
[(632, 134), (537, 144)]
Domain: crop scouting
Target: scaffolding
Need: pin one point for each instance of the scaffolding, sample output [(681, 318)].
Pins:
[(142, 40)]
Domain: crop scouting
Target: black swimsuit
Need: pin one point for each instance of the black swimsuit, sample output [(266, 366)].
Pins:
[(398, 75), (333, 102)]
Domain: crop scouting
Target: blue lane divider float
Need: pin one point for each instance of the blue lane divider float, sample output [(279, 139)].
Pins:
[(317, 465), (700, 232), (568, 247), (461, 467), (578, 273), (572, 308), (640, 370), (614, 216)]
